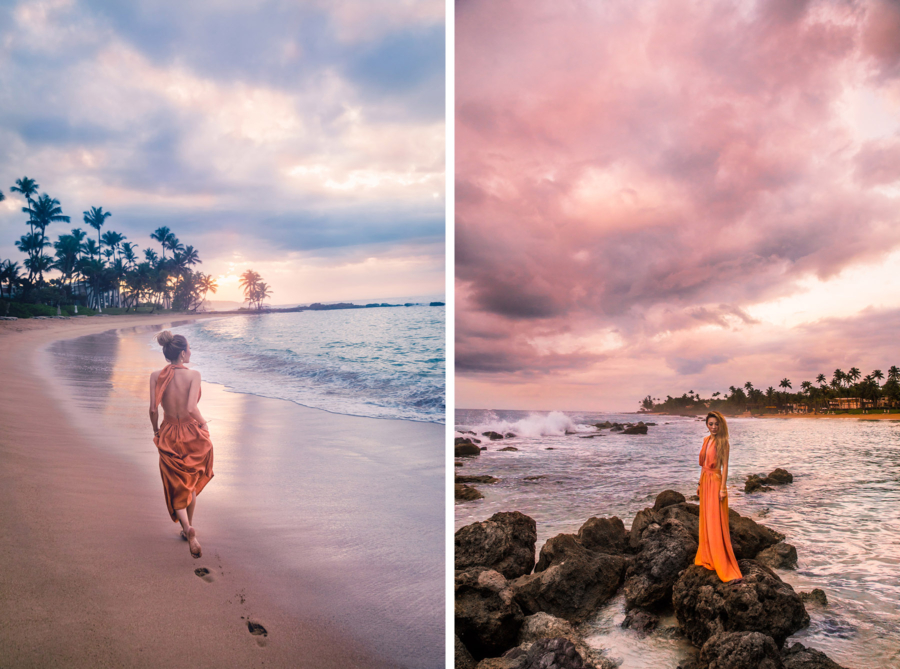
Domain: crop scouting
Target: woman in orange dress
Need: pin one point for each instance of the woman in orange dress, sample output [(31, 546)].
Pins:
[(185, 450), (714, 551)]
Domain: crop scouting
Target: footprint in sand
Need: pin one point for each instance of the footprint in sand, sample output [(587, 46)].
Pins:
[(258, 631), (205, 574)]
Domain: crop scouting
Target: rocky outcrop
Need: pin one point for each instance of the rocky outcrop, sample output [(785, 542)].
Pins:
[(748, 537), (466, 440), (604, 535), (635, 429), (641, 621), (740, 650), (763, 482), (667, 498), (815, 596), (799, 656), (505, 542), (487, 618), (665, 550), (509, 448), (476, 479), (466, 493), (466, 450), (761, 602), (493, 436), (780, 556), (570, 581), (462, 658)]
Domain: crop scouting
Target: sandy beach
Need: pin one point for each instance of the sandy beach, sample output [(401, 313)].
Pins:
[(309, 528)]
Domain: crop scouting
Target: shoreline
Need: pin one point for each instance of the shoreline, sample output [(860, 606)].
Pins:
[(93, 577)]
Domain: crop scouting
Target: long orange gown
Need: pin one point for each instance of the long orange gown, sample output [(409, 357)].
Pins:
[(714, 551), (185, 452)]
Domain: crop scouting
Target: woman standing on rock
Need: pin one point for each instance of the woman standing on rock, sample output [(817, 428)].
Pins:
[(185, 450), (714, 551)]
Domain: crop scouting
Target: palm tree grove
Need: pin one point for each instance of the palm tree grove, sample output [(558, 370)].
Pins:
[(848, 391), (97, 269)]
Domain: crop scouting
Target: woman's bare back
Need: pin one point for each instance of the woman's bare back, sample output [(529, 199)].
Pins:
[(176, 400)]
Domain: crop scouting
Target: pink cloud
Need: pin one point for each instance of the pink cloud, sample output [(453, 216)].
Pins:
[(644, 169)]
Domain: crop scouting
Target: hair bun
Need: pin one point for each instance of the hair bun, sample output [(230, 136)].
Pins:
[(165, 337)]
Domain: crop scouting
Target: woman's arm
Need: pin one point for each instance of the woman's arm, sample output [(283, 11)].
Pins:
[(154, 412), (193, 398), (723, 490)]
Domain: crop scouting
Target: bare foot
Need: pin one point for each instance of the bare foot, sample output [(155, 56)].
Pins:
[(194, 544)]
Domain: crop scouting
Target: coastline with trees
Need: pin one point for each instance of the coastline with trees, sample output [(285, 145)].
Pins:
[(843, 393)]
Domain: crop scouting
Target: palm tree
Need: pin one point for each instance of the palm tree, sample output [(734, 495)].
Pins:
[(877, 375), (162, 235), (853, 375), (820, 379), (207, 284), (90, 247), (128, 253), (9, 272), (785, 383), (894, 373), (67, 251), (112, 240), (837, 379), (151, 256), (248, 282), (95, 218), (44, 211), (28, 188)]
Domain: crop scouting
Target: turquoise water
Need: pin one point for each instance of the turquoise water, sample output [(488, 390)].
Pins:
[(840, 512), (379, 363)]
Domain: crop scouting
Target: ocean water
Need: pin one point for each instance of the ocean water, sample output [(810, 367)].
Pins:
[(840, 512), (378, 363)]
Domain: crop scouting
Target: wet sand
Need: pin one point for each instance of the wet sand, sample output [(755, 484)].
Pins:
[(316, 525)]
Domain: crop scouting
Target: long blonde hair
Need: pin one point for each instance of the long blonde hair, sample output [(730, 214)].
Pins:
[(722, 444)]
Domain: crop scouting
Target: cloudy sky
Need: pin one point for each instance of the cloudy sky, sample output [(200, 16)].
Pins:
[(660, 197), (304, 140)]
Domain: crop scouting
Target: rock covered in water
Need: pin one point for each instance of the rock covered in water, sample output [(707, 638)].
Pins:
[(505, 542), (509, 448), (761, 602), (641, 621), (780, 556), (484, 478), (466, 450), (466, 440), (740, 650), (763, 482), (799, 656), (466, 493), (815, 596), (487, 618), (635, 429), (665, 550), (493, 436), (570, 581), (604, 535)]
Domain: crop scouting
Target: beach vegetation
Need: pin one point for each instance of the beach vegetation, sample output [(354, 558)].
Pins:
[(99, 275), (849, 392), (256, 291)]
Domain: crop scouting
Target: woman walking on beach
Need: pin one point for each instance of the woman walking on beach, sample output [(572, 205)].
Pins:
[(185, 450), (714, 551)]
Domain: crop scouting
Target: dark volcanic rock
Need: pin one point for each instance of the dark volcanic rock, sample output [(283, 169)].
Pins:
[(465, 440), (799, 656), (636, 429), (755, 483), (640, 621), (504, 542), (640, 523), (604, 535), (464, 450), (748, 537), (559, 653), (509, 448), (462, 658), (493, 436), (761, 602), (685, 513), (510, 435), (487, 618), (779, 477), (667, 498), (816, 596), (466, 493), (570, 581), (476, 479), (740, 650), (779, 556), (665, 550)]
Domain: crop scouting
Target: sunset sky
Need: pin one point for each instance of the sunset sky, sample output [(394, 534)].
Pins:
[(303, 140), (653, 198)]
